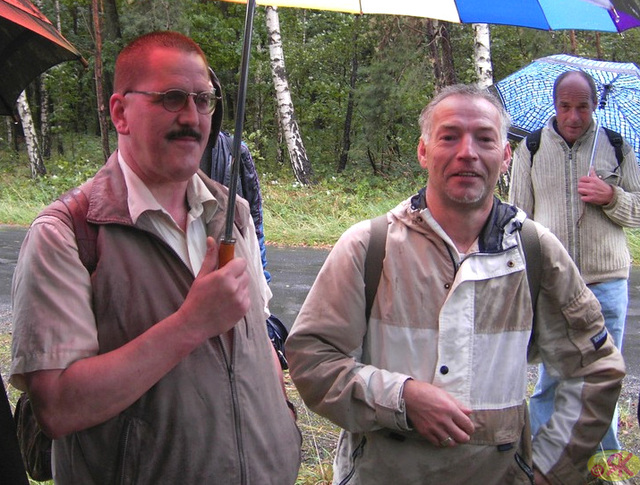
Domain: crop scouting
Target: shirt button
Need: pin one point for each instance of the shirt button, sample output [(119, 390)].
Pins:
[(444, 370), (447, 286), (510, 264)]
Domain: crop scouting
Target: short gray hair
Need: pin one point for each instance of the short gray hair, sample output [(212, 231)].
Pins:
[(469, 91)]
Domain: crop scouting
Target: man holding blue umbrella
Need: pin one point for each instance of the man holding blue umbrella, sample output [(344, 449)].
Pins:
[(582, 182)]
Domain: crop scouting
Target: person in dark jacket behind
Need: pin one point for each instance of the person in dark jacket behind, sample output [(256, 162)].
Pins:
[(216, 163), (156, 368)]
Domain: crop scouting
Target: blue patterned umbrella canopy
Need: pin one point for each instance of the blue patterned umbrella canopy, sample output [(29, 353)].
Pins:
[(527, 94)]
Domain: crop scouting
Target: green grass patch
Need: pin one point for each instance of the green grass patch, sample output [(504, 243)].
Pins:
[(317, 215), (22, 197)]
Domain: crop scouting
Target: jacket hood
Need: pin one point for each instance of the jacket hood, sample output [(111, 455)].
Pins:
[(497, 233), (216, 125), (216, 118)]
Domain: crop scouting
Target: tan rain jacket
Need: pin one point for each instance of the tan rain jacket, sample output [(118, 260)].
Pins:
[(464, 326)]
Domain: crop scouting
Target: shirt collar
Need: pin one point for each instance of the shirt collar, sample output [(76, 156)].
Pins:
[(141, 200)]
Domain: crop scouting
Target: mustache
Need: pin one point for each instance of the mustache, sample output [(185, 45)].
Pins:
[(183, 133)]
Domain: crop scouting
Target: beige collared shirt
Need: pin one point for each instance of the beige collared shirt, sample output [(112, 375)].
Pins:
[(190, 246)]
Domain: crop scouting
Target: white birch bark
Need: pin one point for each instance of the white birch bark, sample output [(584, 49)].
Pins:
[(482, 55), (297, 153), (31, 139)]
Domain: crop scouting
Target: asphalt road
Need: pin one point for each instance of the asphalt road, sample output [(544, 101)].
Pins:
[(293, 271)]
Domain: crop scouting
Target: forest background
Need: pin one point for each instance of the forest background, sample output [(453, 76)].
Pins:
[(356, 85)]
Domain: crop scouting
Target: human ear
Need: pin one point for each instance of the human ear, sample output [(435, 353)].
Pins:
[(118, 115), (422, 153), (506, 158)]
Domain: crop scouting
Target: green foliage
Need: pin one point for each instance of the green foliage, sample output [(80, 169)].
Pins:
[(394, 77), (22, 197), (394, 80), (140, 16)]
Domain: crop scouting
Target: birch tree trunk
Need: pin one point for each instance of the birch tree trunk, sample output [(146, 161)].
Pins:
[(11, 138), (482, 55), (45, 125), (31, 140), (297, 153)]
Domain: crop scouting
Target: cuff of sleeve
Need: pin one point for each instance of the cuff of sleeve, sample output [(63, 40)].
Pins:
[(614, 200), (394, 415), (561, 472)]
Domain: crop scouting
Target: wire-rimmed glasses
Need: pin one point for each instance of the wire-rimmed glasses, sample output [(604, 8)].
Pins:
[(176, 99)]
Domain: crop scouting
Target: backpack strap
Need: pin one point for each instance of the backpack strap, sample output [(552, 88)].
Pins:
[(86, 233), (615, 138), (373, 259), (533, 265), (376, 252), (533, 142), (616, 141), (533, 258)]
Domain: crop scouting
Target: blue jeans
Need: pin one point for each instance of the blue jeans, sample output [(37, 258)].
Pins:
[(613, 297)]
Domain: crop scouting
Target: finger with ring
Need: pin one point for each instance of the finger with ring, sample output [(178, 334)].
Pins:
[(445, 442)]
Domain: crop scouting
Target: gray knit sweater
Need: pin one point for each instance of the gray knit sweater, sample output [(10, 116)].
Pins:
[(547, 190)]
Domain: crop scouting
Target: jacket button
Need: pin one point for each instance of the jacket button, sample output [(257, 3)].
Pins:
[(444, 370), (511, 264), (447, 286)]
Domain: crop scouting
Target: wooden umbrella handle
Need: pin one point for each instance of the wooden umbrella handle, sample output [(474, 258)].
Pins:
[(226, 252)]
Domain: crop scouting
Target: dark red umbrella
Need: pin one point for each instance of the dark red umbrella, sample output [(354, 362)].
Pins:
[(29, 45)]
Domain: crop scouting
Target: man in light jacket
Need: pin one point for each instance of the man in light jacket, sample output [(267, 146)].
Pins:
[(586, 204), (432, 388)]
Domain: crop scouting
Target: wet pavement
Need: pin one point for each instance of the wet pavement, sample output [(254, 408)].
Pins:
[(293, 271)]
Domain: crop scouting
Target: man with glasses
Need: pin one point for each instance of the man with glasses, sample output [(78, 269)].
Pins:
[(148, 363)]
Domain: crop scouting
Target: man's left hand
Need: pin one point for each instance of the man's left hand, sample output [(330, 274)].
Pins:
[(594, 190)]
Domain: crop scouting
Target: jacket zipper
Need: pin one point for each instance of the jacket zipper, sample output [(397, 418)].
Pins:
[(124, 441), (357, 453), (236, 414)]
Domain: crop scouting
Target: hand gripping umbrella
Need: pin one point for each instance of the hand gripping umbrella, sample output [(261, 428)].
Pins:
[(538, 14), (29, 45)]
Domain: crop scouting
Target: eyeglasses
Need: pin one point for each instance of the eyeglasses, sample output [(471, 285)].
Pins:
[(176, 99)]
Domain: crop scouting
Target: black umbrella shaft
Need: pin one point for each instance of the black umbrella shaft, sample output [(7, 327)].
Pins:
[(237, 135)]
